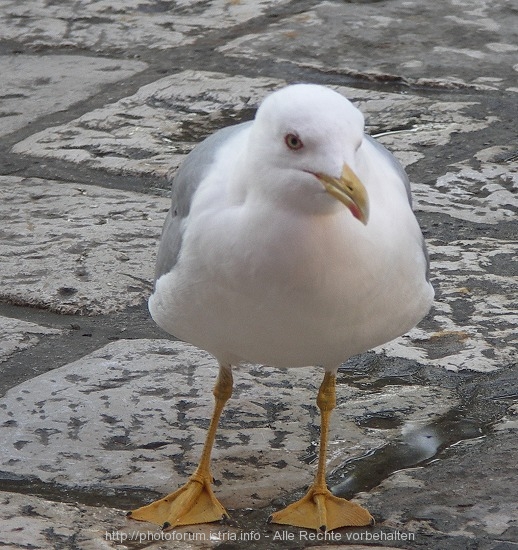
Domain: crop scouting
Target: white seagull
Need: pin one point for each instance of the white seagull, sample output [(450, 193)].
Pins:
[(290, 242)]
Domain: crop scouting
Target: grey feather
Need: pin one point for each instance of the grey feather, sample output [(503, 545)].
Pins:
[(404, 178), (188, 177), (395, 164)]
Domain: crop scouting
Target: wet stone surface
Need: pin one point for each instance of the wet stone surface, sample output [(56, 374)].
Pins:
[(150, 132), (31, 85), (459, 510), (121, 417), (101, 412), (105, 241), (102, 26), (18, 335), (467, 44)]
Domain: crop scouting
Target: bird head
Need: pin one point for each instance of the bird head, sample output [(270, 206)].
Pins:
[(302, 149)]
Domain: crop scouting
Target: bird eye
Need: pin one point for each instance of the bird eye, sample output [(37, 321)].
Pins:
[(293, 142)]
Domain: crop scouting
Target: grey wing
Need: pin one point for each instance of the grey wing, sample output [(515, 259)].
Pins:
[(395, 164), (404, 178), (188, 177)]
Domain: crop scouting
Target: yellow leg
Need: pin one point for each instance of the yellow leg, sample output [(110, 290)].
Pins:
[(319, 508), (194, 502)]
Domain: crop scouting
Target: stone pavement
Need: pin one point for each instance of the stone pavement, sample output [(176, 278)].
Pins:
[(100, 411)]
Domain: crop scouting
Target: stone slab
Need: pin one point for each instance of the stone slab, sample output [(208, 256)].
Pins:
[(465, 498), (17, 335), (484, 190), (473, 324), (36, 85), (36, 523), (135, 414), (104, 25), (71, 249), (447, 44), (510, 420), (150, 132)]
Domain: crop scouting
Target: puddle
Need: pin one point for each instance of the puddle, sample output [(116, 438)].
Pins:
[(417, 445), (484, 399), (380, 421)]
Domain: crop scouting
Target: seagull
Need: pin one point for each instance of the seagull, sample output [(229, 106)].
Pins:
[(290, 242)]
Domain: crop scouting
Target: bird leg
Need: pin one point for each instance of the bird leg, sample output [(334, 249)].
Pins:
[(194, 502), (319, 509)]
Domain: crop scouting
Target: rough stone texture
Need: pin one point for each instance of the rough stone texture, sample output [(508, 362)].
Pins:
[(437, 83), (467, 274), (17, 335), (468, 44), (130, 24), (468, 499), (31, 86), (32, 522), (150, 132), (74, 249), (37, 523), (487, 194), (136, 413), (147, 134)]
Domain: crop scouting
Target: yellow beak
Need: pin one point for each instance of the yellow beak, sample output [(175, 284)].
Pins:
[(349, 190)]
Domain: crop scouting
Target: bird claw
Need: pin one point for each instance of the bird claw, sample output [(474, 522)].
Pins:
[(193, 503), (322, 511)]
